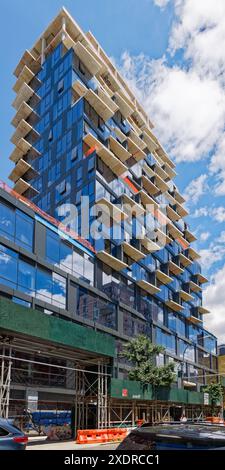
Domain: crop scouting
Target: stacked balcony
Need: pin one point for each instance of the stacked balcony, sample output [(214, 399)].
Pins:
[(24, 121)]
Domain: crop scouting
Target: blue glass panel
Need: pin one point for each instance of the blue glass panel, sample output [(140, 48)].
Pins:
[(8, 266), (26, 277)]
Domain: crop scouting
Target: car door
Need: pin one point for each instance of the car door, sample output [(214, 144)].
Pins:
[(5, 439)]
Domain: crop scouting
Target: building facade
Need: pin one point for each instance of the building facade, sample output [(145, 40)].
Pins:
[(80, 133)]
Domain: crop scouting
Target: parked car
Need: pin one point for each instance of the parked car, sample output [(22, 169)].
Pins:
[(175, 436), (11, 438)]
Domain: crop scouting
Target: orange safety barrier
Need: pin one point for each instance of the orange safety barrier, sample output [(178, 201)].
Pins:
[(95, 436), (215, 420)]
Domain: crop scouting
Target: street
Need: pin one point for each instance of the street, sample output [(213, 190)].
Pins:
[(69, 445)]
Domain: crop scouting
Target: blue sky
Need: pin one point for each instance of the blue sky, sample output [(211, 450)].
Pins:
[(168, 51)]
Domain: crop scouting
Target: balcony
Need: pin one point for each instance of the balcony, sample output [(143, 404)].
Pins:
[(124, 107), (171, 173), (162, 238), (174, 231), (189, 236), (175, 306), (22, 149), (149, 186), (194, 319), (193, 286), (181, 210), (111, 210), (148, 287), (186, 296), (21, 186), (162, 277), (200, 278), (20, 170), (30, 61), (111, 261), (149, 245), (23, 113), (131, 207), (106, 98), (138, 141), (132, 252), (135, 150), (106, 155), (25, 93), (25, 76), (192, 254), (22, 131), (158, 170), (101, 108), (118, 149), (148, 200), (180, 199), (150, 141), (172, 214), (87, 58), (184, 260), (174, 268), (202, 310)]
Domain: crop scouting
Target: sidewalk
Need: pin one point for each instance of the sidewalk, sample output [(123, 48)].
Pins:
[(40, 444)]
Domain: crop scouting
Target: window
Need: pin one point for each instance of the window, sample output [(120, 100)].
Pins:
[(79, 175), (58, 290), (22, 302), (166, 340), (52, 247), (60, 86), (26, 277), (51, 287), (128, 324), (50, 135), (186, 351), (176, 323), (16, 226), (8, 267), (95, 309), (61, 253), (7, 221)]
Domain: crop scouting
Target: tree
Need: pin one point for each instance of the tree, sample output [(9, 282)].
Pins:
[(141, 352), (215, 391)]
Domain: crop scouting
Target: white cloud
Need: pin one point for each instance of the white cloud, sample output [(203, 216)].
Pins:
[(217, 166), (221, 238), (204, 236), (211, 255), (200, 212), (161, 3), (216, 213), (188, 111), (196, 188), (215, 301), (200, 30)]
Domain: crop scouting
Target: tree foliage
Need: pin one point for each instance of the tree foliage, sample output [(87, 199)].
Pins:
[(215, 391), (142, 354)]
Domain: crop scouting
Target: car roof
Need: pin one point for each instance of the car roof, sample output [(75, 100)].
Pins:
[(184, 431)]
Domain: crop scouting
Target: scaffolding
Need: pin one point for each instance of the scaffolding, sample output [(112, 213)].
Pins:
[(84, 381), (77, 382), (6, 365)]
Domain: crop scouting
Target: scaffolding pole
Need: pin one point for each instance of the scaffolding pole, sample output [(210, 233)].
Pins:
[(6, 365)]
